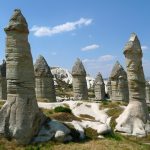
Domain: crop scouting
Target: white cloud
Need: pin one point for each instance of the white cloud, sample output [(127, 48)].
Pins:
[(144, 47), (90, 47), (106, 58), (66, 27), (101, 64)]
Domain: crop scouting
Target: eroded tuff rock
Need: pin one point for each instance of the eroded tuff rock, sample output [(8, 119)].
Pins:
[(135, 118), (20, 117), (147, 88), (79, 81), (3, 82), (44, 84), (99, 87), (109, 91), (118, 84)]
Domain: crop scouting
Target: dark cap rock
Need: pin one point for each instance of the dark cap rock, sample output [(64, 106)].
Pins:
[(41, 67), (17, 23), (78, 68)]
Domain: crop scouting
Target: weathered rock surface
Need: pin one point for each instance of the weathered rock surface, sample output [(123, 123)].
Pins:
[(147, 92), (109, 91), (118, 84), (53, 130), (3, 82), (44, 84), (65, 75), (135, 118), (99, 87), (20, 117), (79, 81)]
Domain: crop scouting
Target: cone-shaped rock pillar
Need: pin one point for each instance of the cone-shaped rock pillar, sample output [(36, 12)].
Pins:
[(147, 88), (109, 91), (20, 117), (119, 84), (3, 82), (99, 87), (79, 81), (135, 118), (44, 84)]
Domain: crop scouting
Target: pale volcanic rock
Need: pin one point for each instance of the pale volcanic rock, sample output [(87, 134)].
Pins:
[(118, 84), (135, 118), (3, 81), (147, 88), (44, 84), (79, 81), (20, 117), (99, 87)]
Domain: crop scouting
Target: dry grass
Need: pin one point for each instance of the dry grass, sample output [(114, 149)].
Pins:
[(85, 116), (62, 116), (114, 113), (113, 141), (104, 144), (110, 104), (1, 104)]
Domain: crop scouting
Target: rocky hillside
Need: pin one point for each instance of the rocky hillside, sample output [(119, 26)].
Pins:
[(64, 75)]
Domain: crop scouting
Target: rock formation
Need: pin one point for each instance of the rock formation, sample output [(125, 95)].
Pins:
[(79, 81), (118, 84), (44, 84), (65, 76), (135, 118), (99, 87), (3, 82), (109, 91), (147, 88), (20, 117)]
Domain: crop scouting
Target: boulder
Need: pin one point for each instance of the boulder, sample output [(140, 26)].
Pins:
[(53, 130)]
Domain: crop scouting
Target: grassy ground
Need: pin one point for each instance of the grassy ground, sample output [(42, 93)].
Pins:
[(101, 144), (112, 141)]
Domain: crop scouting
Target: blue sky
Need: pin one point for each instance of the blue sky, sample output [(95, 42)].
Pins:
[(93, 30)]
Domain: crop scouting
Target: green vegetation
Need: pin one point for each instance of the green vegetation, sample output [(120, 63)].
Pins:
[(91, 133), (96, 144), (112, 141), (149, 109), (110, 104), (1, 104), (47, 112), (60, 114), (114, 113), (63, 89), (62, 109), (91, 93)]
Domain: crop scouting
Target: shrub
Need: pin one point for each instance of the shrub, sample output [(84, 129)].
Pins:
[(91, 133), (62, 109)]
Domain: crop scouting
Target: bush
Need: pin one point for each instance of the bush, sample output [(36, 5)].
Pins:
[(114, 136), (91, 133), (62, 109)]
